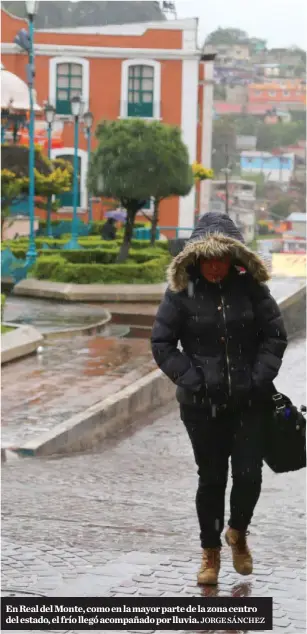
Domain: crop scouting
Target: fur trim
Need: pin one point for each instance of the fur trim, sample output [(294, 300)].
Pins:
[(215, 245)]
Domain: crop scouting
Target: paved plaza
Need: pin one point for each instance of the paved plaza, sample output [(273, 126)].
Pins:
[(121, 521)]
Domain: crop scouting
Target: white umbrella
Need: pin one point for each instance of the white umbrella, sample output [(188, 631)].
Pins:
[(15, 92)]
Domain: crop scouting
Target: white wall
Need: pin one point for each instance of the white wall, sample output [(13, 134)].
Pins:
[(206, 150), (189, 107)]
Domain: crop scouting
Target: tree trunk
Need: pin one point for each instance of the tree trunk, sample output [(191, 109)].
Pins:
[(155, 222), (125, 247)]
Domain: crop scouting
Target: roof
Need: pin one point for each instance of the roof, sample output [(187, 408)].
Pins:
[(297, 216), (285, 84), (223, 107), (14, 92)]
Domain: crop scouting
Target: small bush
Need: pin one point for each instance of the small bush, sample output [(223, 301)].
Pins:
[(48, 268), (3, 300), (57, 269), (19, 247), (99, 256)]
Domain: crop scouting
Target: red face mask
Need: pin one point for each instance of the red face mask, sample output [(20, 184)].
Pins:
[(215, 269)]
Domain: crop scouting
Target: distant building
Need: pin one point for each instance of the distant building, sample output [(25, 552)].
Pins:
[(297, 222), (290, 94), (236, 93), (241, 203), (275, 168), (244, 142), (227, 54)]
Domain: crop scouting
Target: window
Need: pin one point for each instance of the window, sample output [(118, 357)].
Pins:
[(68, 85), (258, 93), (67, 153), (272, 93), (286, 93), (68, 77), (140, 89)]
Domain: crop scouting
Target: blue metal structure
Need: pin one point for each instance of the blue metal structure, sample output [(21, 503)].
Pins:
[(90, 206), (49, 201), (13, 268), (73, 243), (31, 254)]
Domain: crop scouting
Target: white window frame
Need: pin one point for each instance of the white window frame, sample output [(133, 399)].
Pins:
[(126, 64), (83, 155), (53, 63), (272, 93), (148, 212)]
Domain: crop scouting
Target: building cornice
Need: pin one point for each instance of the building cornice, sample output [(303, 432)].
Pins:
[(55, 50), (134, 29)]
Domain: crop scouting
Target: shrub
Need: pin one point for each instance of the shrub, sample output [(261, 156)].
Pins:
[(48, 267), (19, 247), (99, 256), (57, 269), (3, 300)]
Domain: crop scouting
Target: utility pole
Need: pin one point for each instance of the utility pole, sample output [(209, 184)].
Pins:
[(227, 180)]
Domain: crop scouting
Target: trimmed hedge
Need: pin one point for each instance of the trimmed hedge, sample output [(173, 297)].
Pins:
[(19, 247), (100, 256), (56, 268), (95, 229)]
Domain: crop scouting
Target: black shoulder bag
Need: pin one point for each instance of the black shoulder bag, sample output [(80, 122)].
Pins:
[(284, 433), (285, 436)]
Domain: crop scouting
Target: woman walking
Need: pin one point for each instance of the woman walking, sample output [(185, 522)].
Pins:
[(232, 343)]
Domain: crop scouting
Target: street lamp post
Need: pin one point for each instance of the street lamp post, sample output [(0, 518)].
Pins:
[(76, 112), (31, 7), (88, 122), (49, 115)]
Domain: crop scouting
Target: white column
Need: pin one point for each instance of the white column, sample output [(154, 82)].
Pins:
[(206, 148), (189, 107)]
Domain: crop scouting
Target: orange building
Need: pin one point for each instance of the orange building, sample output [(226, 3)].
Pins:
[(152, 70), (289, 93)]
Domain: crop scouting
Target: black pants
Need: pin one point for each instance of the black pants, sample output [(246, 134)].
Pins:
[(216, 436)]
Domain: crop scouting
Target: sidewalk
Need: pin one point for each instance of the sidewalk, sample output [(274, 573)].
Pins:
[(122, 522)]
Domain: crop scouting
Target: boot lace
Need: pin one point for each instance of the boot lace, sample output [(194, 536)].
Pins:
[(210, 557), (241, 543)]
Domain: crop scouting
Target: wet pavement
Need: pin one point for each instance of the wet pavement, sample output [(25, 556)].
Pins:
[(122, 522), (72, 374), (49, 316), (69, 375)]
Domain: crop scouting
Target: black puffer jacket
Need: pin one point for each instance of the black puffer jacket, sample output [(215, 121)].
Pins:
[(232, 334)]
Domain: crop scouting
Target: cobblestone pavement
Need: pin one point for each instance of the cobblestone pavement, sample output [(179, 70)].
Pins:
[(122, 522)]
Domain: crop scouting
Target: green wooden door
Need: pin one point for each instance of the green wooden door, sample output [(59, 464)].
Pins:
[(66, 199)]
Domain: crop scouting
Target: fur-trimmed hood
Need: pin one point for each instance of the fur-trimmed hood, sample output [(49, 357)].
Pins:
[(214, 237)]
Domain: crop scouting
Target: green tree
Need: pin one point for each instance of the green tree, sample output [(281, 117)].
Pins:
[(51, 177), (224, 134), (280, 134), (134, 161), (281, 209), (227, 37)]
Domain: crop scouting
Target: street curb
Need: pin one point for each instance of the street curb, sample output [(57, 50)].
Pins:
[(85, 430), (90, 292), (91, 329), (20, 342)]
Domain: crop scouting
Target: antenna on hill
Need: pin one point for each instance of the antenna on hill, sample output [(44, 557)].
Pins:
[(169, 10)]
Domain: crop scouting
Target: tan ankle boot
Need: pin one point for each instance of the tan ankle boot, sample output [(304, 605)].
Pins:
[(241, 555), (210, 567)]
